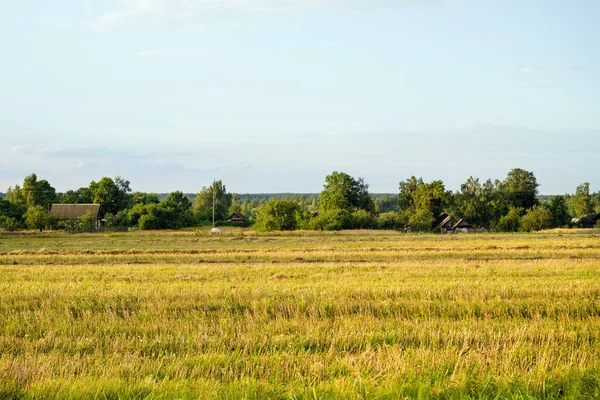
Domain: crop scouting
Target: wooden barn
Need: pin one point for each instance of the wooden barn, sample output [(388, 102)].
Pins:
[(236, 217), (589, 220), (445, 225), (73, 211), (463, 226)]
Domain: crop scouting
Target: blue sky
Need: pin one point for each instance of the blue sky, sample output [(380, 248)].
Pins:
[(271, 96)]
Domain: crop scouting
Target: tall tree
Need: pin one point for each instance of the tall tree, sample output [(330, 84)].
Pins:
[(204, 202), (343, 192), (521, 188), (112, 195), (582, 200), (559, 212), (278, 215), (407, 190)]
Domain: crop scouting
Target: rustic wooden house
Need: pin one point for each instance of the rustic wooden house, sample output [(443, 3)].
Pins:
[(445, 226), (463, 226), (589, 220), (64, 212), (236, 217)]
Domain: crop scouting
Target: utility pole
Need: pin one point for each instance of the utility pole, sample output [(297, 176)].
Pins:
[(214, 198)]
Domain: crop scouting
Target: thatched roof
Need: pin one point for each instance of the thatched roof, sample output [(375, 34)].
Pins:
[(462, 223), (71, 211)]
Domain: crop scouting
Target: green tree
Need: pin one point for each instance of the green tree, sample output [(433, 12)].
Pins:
[(341, 191), (582, 200), (559, 212), (87, 222), (144, 198), (521, 189), (511, 222), (278, 215), (81, 196), (15, 195), (535, 219), (421, 220), (407, 190), (204, 202), (112, 195), (36, 217), (432, 197)]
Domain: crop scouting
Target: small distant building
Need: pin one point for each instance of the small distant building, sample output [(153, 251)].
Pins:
[(64, 212), (463, 226), (236, 217), (589, 220), (445, 225)]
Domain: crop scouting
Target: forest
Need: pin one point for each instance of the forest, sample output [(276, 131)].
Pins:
[(509, 205)]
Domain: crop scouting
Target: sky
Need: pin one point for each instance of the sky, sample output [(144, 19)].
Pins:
[(271, 96)]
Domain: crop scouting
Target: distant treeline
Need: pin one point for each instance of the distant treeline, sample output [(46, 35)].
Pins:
[(512, 204)]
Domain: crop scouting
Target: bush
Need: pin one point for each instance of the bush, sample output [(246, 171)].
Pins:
[(148, 222), (510, 222), (363, 220), (9, 224), (388, 220), (421, 220), (332, 220), (36, 217), (278, 215), (535, 219)]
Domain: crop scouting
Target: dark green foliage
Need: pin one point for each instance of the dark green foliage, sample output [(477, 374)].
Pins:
[(521, 189), (388, 220), (559, 212), (148, 222), (332, 220), (582, 201), (385, 203), (536, 219), (421, 220), (341, 191), (112, 195), (278, 215), (510, 222), (82, 196), (363, 219), (36, 217), (203, 204)]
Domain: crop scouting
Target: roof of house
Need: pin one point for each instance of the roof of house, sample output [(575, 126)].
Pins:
[(70, 211), (462, 223), (236, 215), (591, 217), (445, 221)]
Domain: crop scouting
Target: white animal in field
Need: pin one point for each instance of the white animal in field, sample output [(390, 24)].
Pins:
[(215, 231)]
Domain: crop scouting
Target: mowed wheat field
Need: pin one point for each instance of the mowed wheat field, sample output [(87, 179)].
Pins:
[(370, 315)]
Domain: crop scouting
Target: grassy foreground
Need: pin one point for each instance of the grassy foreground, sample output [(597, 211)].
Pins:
[(307, 315)]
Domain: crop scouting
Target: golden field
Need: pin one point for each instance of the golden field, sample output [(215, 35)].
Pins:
[(300, 315)]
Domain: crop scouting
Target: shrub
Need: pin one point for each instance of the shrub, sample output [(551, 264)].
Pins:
[(510, 222), (421, 220), (148, 222), (332, 220), (363, 219), (388, 220), (535, 219), (9, 224), (278, 215)]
